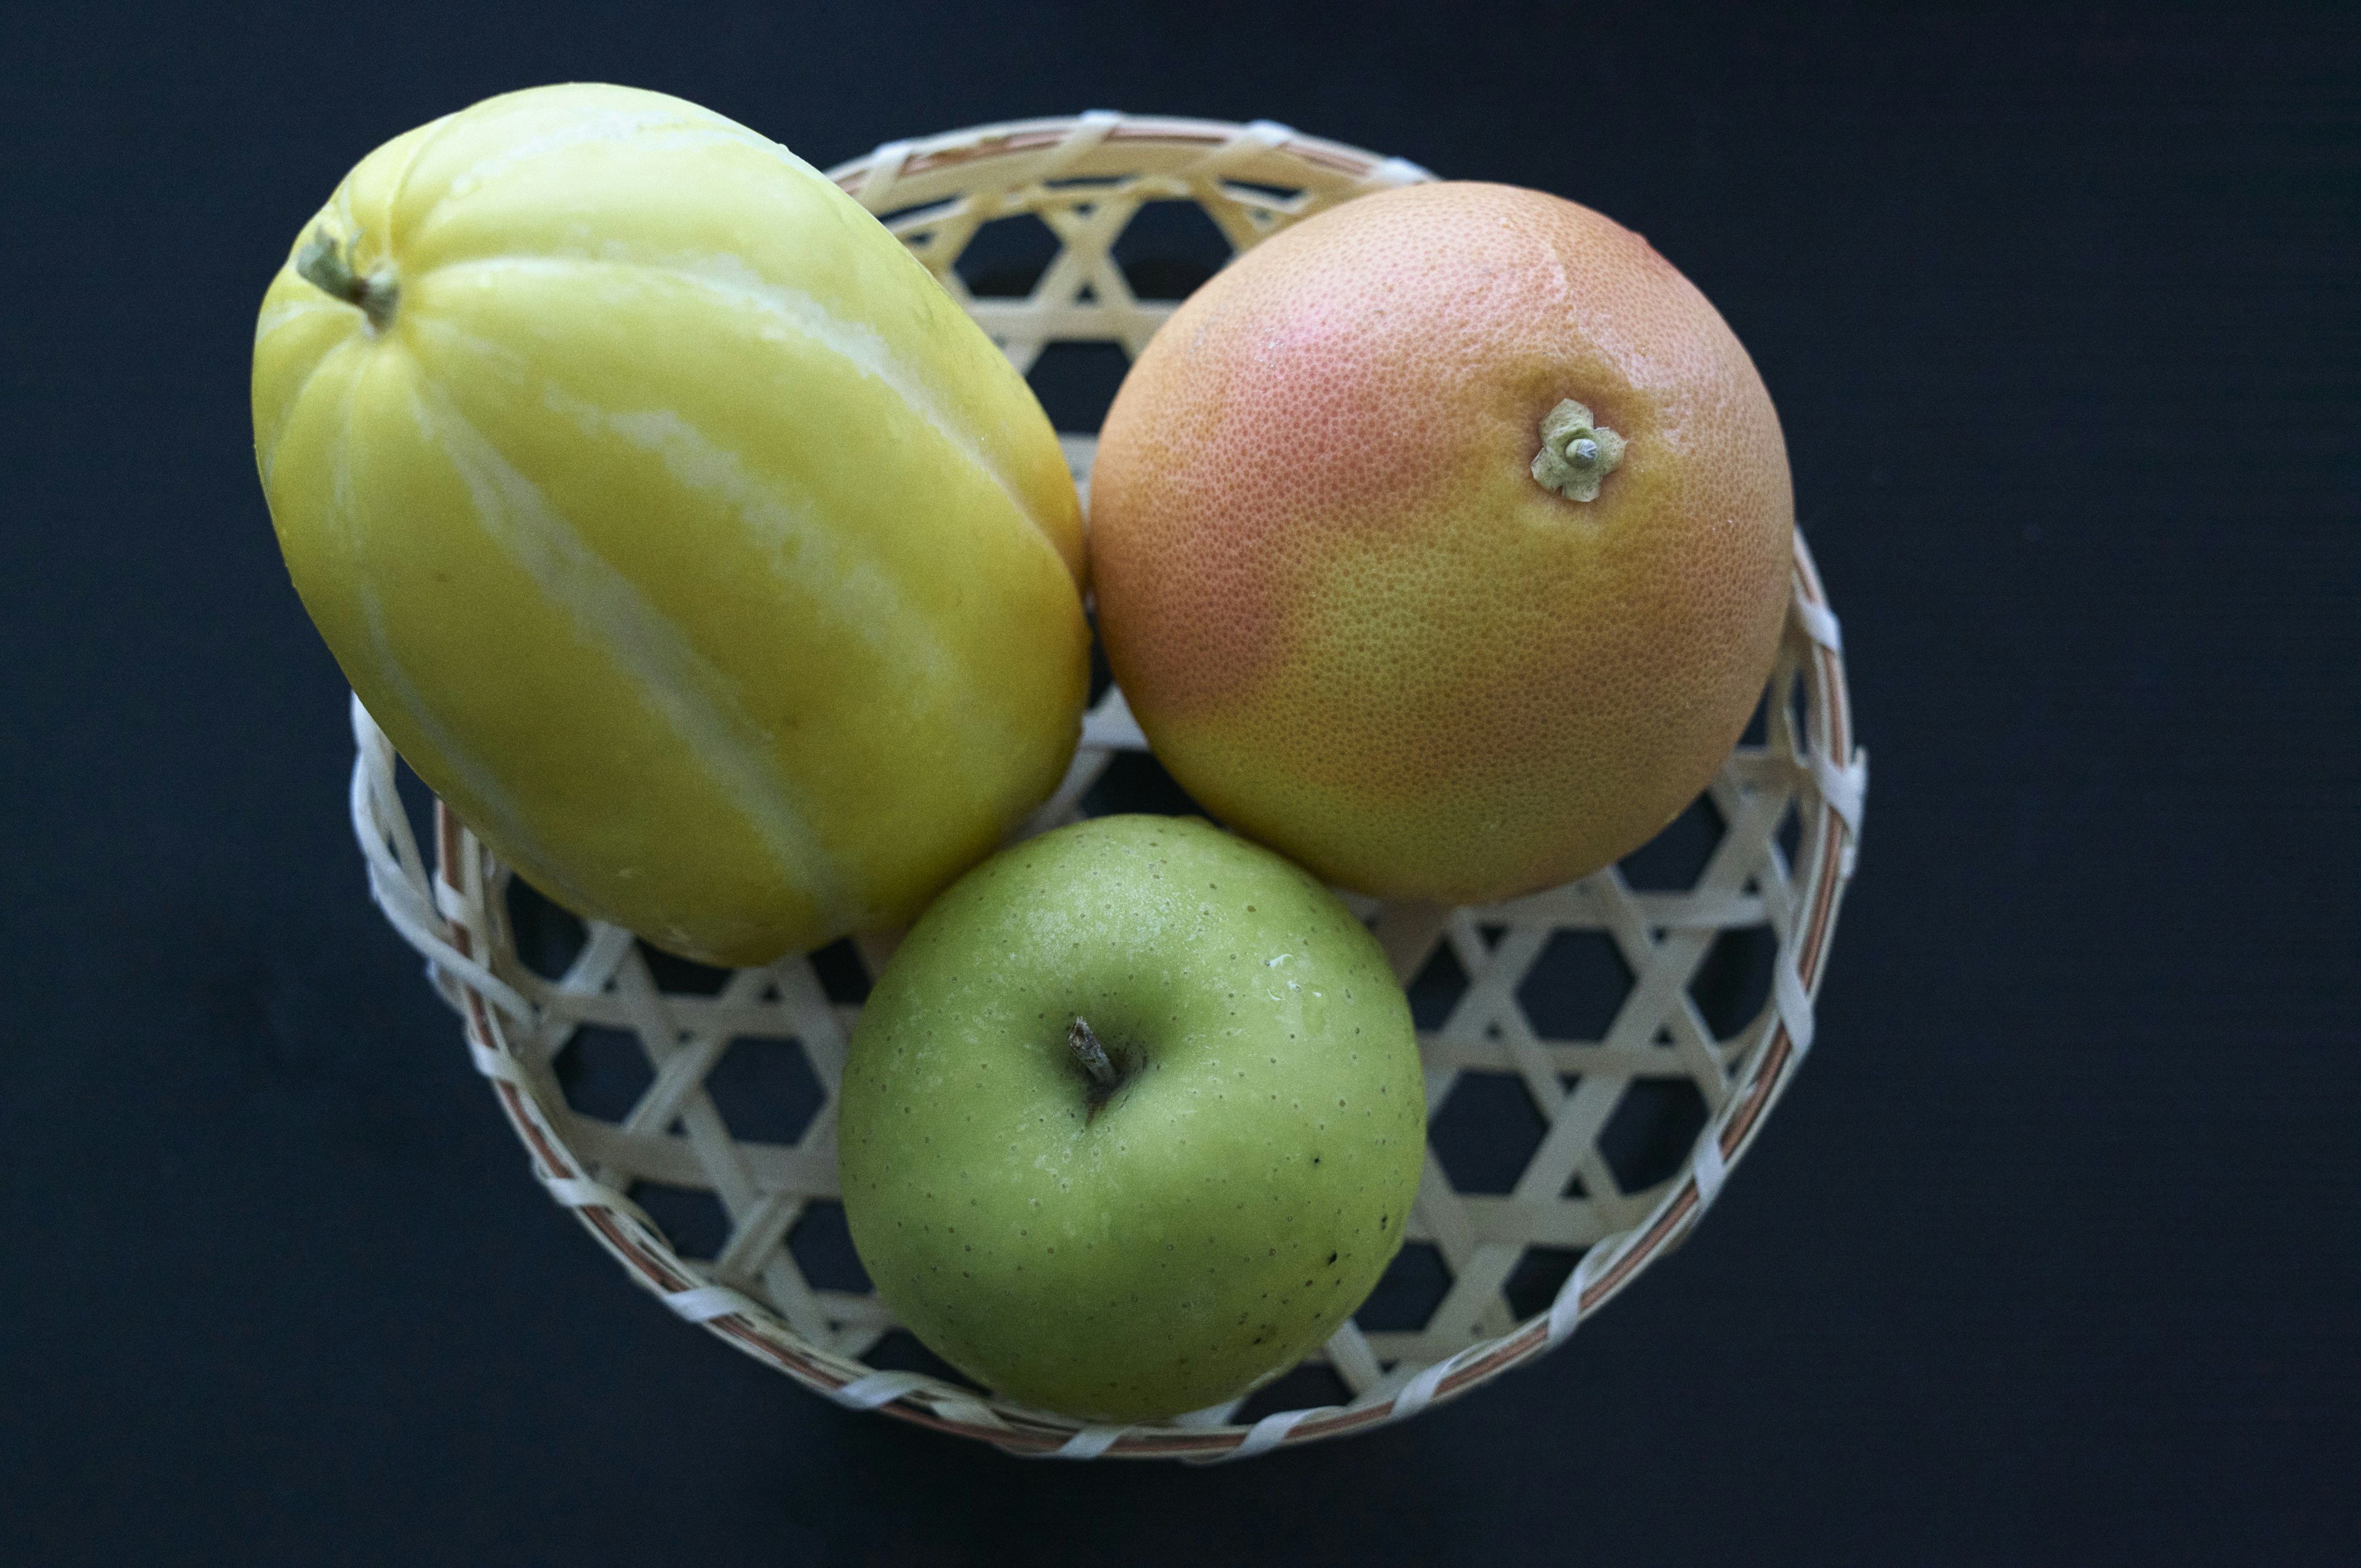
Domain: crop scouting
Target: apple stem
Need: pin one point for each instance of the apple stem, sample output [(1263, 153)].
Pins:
[(326, 263), (1090, 1054), (1576, 455)]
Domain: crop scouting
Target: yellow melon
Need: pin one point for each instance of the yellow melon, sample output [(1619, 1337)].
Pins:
[(678, 528)]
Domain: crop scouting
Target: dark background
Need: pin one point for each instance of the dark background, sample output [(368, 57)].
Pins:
[(2049, 1255)]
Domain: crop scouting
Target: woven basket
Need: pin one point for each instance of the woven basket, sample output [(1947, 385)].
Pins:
[(638, 1083)]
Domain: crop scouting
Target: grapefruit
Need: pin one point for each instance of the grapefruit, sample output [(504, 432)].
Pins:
[(1441, 542)]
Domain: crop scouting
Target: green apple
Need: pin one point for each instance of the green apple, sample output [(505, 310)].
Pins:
[(1133, 1119)]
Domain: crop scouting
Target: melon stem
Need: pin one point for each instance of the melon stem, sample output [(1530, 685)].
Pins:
[(326, 263), (1575, 454)]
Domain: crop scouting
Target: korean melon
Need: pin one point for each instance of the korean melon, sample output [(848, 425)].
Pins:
[(678, 528)]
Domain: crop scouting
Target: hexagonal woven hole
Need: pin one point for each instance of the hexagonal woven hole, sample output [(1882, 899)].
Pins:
[(1136, 781), (1077, 381), (1437, 989), (1102, 671), (1261, 188), (821, 1244), (1006, 257), (842, 976), (1168, 248), (417, 803), (1413, 1286), (901, 1352), (1731, 984), (1758, 724), (1674, 858), (1649, 1137), (682, 977), (766, 1090), (549, 937), (1576, 987), (1485, 1131), (692, 1218), (1308, 1387), (1533, 1284), (603, 1071)]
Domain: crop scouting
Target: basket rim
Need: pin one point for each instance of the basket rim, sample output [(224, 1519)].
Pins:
[(1043, 134)]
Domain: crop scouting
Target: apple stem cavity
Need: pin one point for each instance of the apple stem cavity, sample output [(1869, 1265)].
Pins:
[(1575, 454), (326, 263)]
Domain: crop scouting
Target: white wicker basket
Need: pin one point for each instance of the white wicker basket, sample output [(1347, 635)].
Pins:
[(1789, 814)]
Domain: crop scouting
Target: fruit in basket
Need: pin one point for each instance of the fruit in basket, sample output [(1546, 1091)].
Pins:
[(1133, 1118), (1441, 542), (677, 527)]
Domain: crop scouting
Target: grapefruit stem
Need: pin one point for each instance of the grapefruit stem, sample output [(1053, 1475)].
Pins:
[(1575, 454), (326, 263)]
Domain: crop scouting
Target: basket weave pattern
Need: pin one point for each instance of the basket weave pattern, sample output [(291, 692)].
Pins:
[(1084, 177)]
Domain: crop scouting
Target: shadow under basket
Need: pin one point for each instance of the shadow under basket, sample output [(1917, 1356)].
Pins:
[(1597, 1057)]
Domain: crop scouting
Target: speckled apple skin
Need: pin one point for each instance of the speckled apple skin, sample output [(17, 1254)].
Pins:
[(1215, 1218)]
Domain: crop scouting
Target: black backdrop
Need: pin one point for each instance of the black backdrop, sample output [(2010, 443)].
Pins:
[(2050, 1255)]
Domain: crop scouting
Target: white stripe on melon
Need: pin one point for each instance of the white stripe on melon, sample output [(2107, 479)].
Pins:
[(697, 702)]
